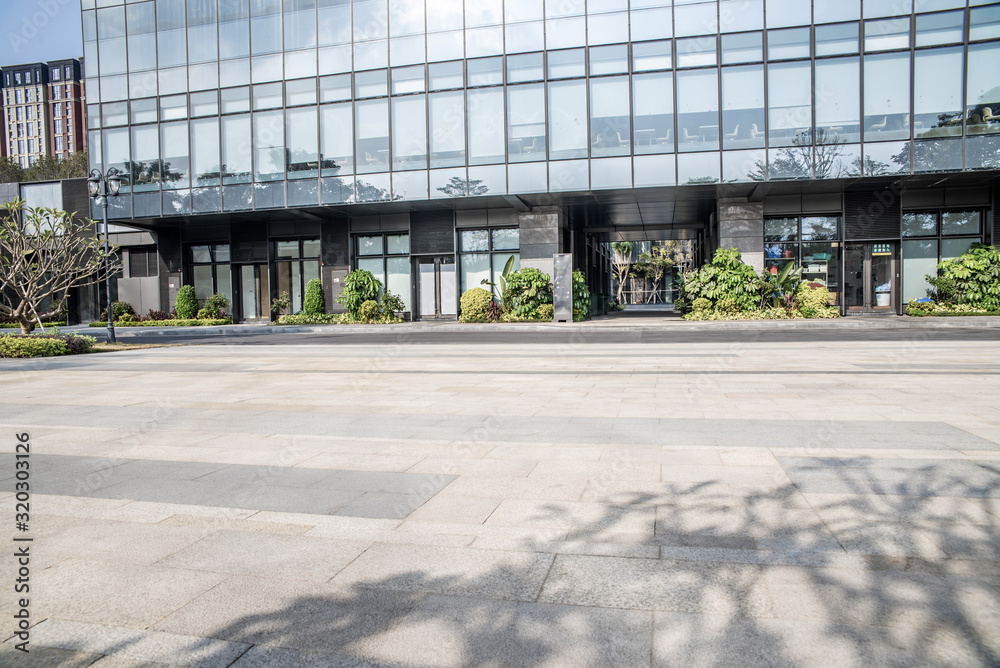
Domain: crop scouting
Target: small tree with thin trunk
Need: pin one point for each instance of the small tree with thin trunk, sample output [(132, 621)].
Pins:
[(45, 253), (621, 260)]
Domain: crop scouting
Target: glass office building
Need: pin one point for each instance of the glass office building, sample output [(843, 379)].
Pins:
[(274, 141)]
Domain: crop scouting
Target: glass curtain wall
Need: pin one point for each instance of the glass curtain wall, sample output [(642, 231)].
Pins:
[(484, 253), (930, 238), (387, 257), (296, 263)]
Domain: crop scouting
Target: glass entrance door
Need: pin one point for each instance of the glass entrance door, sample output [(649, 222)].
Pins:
[(436, 287), (255, 293), (870, 280)]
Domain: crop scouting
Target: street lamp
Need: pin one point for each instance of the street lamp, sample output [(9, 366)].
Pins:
[(101, 188)]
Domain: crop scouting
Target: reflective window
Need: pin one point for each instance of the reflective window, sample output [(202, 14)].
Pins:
[(647, 56), (336, 126), (524, 36), (300, 24), (782, 13), (334, 21), (371, 55), (371, 245), (408, 80), (302, 152), (526, 122), (483, 42), (984, 23), (788, 44), (171, 39), (205, 152), (141, 21), (838, 101), (820, 228), (698, 111), (371, 84), (696, 52), (565, 33), (370, 20), (234, 29), (877, 8), (565, 64), (920, 225), (607, 28), (485, 72), (447, 15), (267, 96), (937, 94), (742, 48), (175, 154), (236, 156), (299, 92), (743, 107), (265, 26), (609, 117), (522, 10), (406, 18), (204, 104), (203, 44), (736, 15), (486, 126), (944, 28), (409, 132), (567, 125), (842, 10), (695, 19), (335, 88), (887, 34), (269, 146), (235, 100), (144, 111), (887, 96), (372, 128), (836, 39), (653, 109), (114, 113), (446, 75), (525, 67), (651, 24), (960, 222), (146, 165), (609, 60), (447, 129), (445, 46), (983, 98), (173, 108), (789, 89)]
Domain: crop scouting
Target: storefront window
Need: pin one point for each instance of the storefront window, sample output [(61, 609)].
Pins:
[(809, 242), (941, 230), (387, 257), (297, 263), (210, 272), (483, 254)]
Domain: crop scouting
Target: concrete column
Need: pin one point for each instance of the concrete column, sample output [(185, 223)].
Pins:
[(541, 234), (741, 226)]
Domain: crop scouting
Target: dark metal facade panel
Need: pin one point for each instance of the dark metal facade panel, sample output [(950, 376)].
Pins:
[(432, 232), (873, 212)]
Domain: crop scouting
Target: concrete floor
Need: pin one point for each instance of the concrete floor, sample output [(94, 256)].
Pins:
[(571, 501)]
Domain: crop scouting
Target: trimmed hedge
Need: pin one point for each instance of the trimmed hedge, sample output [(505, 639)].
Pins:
[(168, 323), (44, 345), (303, 319)]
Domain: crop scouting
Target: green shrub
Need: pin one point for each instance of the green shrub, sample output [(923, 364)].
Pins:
[(369, 311), (187, 303), (118, 309), (728, 306), (814, 302), (127, 317), (546, 312), (217, 305), (528, 288), (303, 319), (44, 345), (168, 323), (581, 297), (314, 303), (392, 304), (475, 305), (725, 277), (360, 286), (206, 313), (702, 305), (972, 279)]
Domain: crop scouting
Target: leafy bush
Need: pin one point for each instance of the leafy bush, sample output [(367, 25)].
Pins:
[(314, 303), (127, 318), (814, 302), (475, 305), (725, 277), (281, 303), (206, 314), (528, 288), (359, 287), (217, 305), (702, 305), (369, 311), (158, 315), (929, 308), (546, 312), (187, 303), (118, 309), (494, 312), (581, 297), (303, 319), (44, 345), (972, 279), (392, 304)]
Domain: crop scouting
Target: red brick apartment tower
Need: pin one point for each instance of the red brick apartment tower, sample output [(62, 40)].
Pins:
[(66, 105)]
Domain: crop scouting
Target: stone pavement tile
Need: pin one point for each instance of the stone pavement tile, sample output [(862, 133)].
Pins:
[(478, 468), (764, 557), (437, 448), (236, 524), (456, 509), (150, 512), (724, 474), (648, 584), (283, 499), (73, 506), (835, 507), (293, 614), (385, 505), (884, 538), (457, 631), (378, 481), (475, 530), (656, 493), (707, 641), (283, 476), (159, 490), (360, 462), (605, 549), (660, 455), (145, 468), (252, 553), (964, 541), (120, 542), (600, 471), (582, 517), (449, 570), (137, 645), (261, 656), (892, 482), (540, 451), (117, 661), (117, 594), (515, 488), (49, 657), (332, 523), (62, 484)]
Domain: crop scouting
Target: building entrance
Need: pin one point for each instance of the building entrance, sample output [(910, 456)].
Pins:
[(253, 293), (436, 296), (871, 280)]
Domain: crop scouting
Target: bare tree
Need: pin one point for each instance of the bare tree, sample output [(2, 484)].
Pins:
[(45, 253), (621, 261)]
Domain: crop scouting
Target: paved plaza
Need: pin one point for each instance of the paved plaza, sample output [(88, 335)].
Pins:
[(566, 499)]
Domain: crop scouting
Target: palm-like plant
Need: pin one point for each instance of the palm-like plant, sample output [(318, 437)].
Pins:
[(501, 284)]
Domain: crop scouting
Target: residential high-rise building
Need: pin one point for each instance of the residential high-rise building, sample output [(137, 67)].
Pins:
[(66, 108), (275, 141), (26, 112)]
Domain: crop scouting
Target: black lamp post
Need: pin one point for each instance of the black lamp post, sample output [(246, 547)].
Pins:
[(101, 188)]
